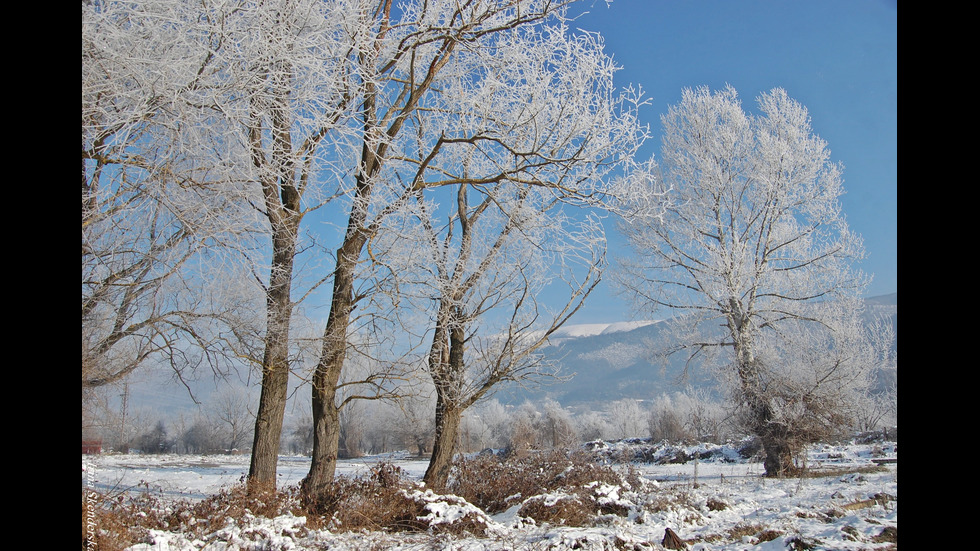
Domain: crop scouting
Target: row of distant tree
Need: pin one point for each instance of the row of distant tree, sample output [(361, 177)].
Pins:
[(373, 428)]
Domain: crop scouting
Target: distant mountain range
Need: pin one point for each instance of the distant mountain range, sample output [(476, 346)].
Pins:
[(609, 362), (616, 361)]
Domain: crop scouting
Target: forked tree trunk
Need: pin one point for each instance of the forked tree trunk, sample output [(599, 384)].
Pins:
[(779, 447), (779, 456), (447, 373), (775, 436)]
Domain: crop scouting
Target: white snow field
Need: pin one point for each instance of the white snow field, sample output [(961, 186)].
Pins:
[(848, 501)]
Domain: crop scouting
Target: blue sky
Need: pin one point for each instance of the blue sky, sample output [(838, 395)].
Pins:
[(839, 58)]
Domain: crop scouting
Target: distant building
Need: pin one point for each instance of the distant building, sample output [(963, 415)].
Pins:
[(91, 447)]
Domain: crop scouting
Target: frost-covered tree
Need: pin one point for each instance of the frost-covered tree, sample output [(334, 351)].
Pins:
[(524, 433), (627, 417), (592, 425), (489, 322), (704, 416), (352, 110), (497, 418), (755, 255), (255, 103), (665, 420), (558, 426), (484, 97), (154, 215)]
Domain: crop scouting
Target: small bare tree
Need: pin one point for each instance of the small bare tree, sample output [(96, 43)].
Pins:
[(231, 408)]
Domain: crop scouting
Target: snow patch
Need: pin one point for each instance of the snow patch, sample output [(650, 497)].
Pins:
[(593, 329)]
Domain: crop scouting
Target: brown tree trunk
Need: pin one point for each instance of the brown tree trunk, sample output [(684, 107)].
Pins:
[(275, 361), (447, 435), (326, 442), (326, 413), (779, 448), (447, 374), (282, 203), (775, 437)]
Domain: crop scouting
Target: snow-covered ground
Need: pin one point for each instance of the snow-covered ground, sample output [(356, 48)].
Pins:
[(720, 502)]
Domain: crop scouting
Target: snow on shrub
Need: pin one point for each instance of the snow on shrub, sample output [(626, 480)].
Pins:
[(451, 513)]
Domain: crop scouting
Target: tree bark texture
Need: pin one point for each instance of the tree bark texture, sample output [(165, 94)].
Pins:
[(282, 202), (275, 360), (326, 412), (447, 368), (448, 419), (775, 436)]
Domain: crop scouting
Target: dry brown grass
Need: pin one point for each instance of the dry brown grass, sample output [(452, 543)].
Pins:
[(822, 472), (114, 522), (715, 504), (562, 509), (889, 534), (557, 487), (757, 532), (385, 501)]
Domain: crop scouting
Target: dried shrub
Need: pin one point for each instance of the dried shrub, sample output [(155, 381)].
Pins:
[(851, 533), (449, 514), (558, 487), (115, 522), (374, 502), (888, 535), (561, 509), (716, 504), (389, 502), (237, 502), (755, 532), (823, 472), (742, 529), (675, 499), (109, 523), (768, 535), (494, 483), (799, 543)]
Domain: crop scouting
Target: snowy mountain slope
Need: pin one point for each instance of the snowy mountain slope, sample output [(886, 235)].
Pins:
[(615, 361)]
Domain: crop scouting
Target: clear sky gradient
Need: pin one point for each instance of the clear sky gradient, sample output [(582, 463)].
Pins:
[(839, 58)]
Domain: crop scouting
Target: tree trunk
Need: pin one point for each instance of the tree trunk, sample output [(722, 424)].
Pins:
[(779, 457), (776, 439), (447, 374), (326, 413), (326, 444), (775, 436), (275, 360), (780, 450), (447, 434)]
